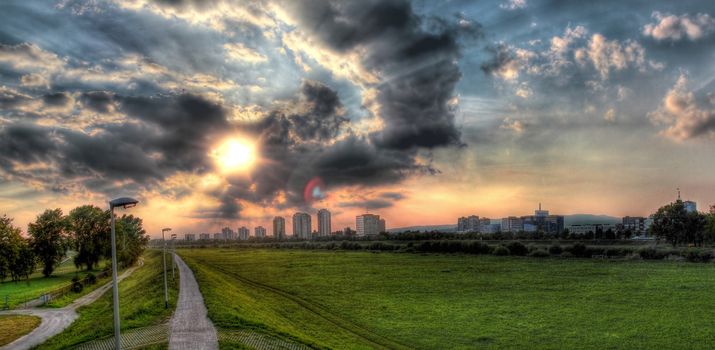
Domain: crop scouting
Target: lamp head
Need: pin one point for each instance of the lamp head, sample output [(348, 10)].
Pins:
[(165, 229), (124, 202)]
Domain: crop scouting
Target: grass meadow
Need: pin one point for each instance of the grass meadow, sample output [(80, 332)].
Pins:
[(15, 326), (340, 299), (22, 291)]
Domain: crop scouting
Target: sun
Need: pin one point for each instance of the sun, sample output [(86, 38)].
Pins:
[(235, 155)]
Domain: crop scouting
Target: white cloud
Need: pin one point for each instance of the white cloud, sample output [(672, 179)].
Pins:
[(607, 56), (513, 4), (610, 115), (516, 126), (675, 28), (239, 52), (682, 115)]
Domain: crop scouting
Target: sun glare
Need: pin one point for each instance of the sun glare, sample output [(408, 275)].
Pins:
[(235, 155)]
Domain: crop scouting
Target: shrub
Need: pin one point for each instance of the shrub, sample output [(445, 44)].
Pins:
[(501, 251), (478, 248), (91, 278), (555, 249), (517, 248), (650, 253), (566, 255), (76, 285), (539, 253), (578, 249), (697, 255)]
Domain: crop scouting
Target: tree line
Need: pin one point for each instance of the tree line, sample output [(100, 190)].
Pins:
[(85, 230), (678, 226)]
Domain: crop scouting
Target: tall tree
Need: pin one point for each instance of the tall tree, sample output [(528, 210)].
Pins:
[(677, 226), (90, 230), (131, 239), (49, 239), (10, 242)]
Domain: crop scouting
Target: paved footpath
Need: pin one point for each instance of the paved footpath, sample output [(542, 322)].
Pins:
[(190, 329), (55, 321)]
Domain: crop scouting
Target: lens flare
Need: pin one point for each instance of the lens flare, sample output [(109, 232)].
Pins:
[(314, 190)]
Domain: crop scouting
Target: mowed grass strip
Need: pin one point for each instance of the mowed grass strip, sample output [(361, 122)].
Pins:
[(13, 327), (460, 301), (141, 303)]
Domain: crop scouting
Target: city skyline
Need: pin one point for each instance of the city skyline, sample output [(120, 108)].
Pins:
[(217, 113)]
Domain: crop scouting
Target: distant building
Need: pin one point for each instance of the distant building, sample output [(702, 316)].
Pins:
[(369, 224), (204, 236), (302, 227), (190, 236), (348, 231), (542, 221), (228, 233), (486, 226), (279, 227), (636, 224), (468, 224), (593, 228), (690, 206), (512, 224), (218, 236), (324, 223), (243, 233), (260, 232)]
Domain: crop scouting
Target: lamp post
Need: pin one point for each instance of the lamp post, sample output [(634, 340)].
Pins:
[(124, 202), (166, 290), (173, 252)]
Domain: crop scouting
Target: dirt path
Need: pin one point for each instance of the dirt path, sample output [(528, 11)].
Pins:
[(55, 321), (190, 327)]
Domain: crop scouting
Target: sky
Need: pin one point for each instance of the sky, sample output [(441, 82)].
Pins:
[(226, 113)]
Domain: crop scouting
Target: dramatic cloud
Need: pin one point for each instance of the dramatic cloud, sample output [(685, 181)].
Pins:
[(675, 28), (683, 115), (417, 67)]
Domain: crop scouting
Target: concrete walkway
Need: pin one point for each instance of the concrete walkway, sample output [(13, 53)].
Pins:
[(190, 328), (55, 321)]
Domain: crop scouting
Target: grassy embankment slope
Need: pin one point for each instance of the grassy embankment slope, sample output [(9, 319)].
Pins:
[(343, 299), (15, 326), (141, 302)]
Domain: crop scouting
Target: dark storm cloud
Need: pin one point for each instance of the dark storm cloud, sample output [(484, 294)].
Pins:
[(25, 143), (323, 118), (56, 99), (98, 101), (417, 58)]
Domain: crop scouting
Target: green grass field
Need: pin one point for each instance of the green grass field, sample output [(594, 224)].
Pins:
[(23, 291), (15, 326), (141, 300), (337, 299)]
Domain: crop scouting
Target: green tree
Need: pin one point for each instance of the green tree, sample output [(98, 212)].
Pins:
[(89, 226), (677, 226), (24, 263), (131, 239), (10, 242), (709, 235), (49, 239)]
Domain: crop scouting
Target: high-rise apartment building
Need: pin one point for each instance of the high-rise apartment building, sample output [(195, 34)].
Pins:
[(324, 227), (512, 224), (190, 236), (369, 224), (204, 236), (302, 227), (243, 233), (636, 224), (279, 228), (468, 224), (260, 232), (228, 233)]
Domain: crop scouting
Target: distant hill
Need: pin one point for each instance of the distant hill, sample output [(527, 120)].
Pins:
[(575, 219)]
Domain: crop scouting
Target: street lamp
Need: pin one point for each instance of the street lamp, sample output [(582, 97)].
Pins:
[(173, 252), (166, 290), (124, 202)]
